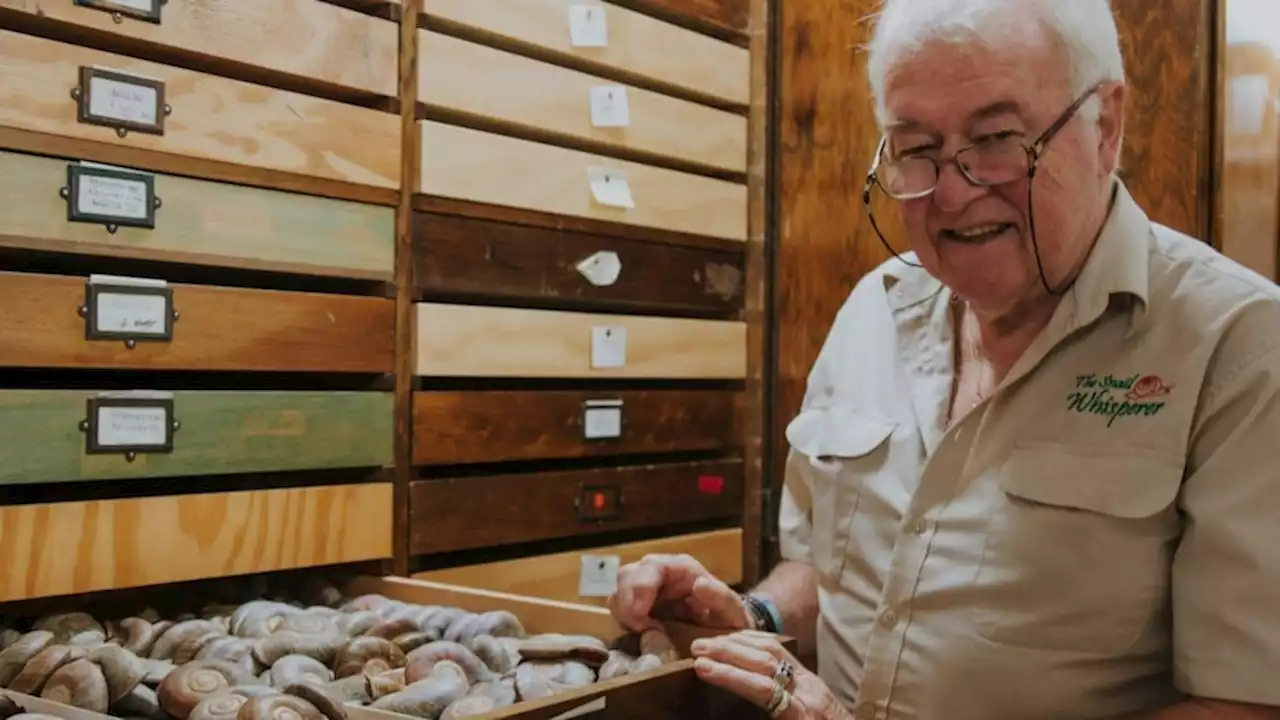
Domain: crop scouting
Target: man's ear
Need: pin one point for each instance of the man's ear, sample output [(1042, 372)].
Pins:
[(1111, 124)]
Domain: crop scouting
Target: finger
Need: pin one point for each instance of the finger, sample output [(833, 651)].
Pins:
[(765, 642), (754, 688), (717, 604), (638, 588), (737, 654)]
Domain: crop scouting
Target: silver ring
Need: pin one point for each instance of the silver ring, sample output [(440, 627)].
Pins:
[(779, 703), (784, 674)]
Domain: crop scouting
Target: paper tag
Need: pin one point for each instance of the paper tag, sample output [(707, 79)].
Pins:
[(130, 314), (608, 346), (602, 419), (609, 187), (587, 26), (114, 98), (113, 197), (609, 106), (599, 576), (601, 269), (132, 426)]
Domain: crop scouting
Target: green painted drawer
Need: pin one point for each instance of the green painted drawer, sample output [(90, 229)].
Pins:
[(217, 432)]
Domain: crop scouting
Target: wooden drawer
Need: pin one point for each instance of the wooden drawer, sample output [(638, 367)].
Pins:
[(556, 576), (732, 16), (201, 222), (218, 328), (466, 77), (636, 44), (77, 547), (303, 38), (474, 512), (479, 341), (219, 432), (477, 257), (497, 425), (211, 118), (488, 168)]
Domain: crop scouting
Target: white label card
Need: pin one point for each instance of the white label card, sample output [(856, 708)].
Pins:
[(601, 269), (587, 26), (602, 419), (608, 346), (123, 101), (610, 187), (131, 426), (609, 106), (131, 314), (143, 6), (113, 197), (599, 575)]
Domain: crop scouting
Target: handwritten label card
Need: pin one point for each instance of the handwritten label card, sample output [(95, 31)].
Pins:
[(608, 346), (599, 575), (111, 196), (610, 187), (587, 26), (602, 419), (134, 104), (609, 106), (128, 308), (129, 423)]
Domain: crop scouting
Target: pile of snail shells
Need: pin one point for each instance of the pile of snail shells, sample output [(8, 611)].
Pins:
[(269, 658)]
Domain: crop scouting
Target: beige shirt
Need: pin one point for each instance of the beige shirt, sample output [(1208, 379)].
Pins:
[(1097, 538)]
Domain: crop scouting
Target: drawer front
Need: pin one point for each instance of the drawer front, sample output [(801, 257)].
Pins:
[(136, 542), (731, 15), (470, 78), (482, 257), (478, 341), (485, 167), (304, 38), (219, 432), (464, 513), (216, 328), (203, 223), (636, 44), (210, 118), (498, 426)]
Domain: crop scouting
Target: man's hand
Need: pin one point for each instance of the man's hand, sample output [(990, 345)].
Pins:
[(745, 664), (675, 587)]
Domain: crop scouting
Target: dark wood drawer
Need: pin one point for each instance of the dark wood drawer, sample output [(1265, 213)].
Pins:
[(463, 513), (495, 426), (218, 328), (470, 256)]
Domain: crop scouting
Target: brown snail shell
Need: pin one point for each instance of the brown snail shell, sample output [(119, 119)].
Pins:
[(408, 642), (17, 655), (357, 623), (365, 602), (73, 628), (492, 653), (312, 635), (427, 699), (185, 686), (278, 707), (422, 660), (552, 646), (135, 634), (657, 642), (235, 650), (259, 618), (439, 620), (173, 637), (155, 671), (190, 648), (328, 706), (141, 703), (298, 670), (121, 668), (79, 683), (223, 705), (354, 689), (41, 666), (8, 636), (368, 654), (537, 679), (389, 629), (385, 683)]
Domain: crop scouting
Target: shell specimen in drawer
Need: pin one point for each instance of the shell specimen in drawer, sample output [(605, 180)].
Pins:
[(269, 658)]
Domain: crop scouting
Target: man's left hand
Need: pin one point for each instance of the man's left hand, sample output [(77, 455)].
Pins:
[(747, 664)]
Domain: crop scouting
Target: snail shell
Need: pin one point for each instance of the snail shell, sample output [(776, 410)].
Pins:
[(278, 707), (135, 634), (644, 663), (422, 660), (79, 683), (365, 602), (618, 664), (223, 705), (121, 668), (492, 653), (427, 699), (172, 638), (17, 655), (552, 646), (368, 654), (537, 679), (657, 642), (502, 692), (357, 623), (259, 618), (185, 686), (73, 628), (315, 636), (328, 706), (298, 669), (8, 636), (141, 703), (41, 666)]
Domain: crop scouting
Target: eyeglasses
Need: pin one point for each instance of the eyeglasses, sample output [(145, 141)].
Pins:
[(987, 163)]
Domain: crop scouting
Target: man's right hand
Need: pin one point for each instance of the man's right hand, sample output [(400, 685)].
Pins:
[(675, 587)]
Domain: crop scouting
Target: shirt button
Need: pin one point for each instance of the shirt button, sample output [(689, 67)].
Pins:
[(888, 619), (918, 527), (865, 712)]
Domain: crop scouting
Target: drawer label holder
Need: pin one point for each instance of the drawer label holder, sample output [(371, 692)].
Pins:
[(120, 100), (129, 423), (110, 196), (147, 10), (602, 420), (128, 310)]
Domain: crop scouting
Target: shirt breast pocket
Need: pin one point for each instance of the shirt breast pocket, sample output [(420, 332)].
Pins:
[(1078, 548), (843, 448)]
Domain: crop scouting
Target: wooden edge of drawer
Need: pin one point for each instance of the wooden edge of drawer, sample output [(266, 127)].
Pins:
[(467, 164), (79, 547), (217, 328), (458, 341)]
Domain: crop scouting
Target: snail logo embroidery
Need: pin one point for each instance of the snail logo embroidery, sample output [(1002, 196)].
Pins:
[(1116, 397)]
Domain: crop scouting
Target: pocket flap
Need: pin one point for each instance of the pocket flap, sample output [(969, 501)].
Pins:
[(837, 432), (1116, 483)]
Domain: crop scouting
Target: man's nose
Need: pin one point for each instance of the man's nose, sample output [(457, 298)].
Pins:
[(954, 192)]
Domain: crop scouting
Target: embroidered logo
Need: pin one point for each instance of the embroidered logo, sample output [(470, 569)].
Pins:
[(1116, 397)]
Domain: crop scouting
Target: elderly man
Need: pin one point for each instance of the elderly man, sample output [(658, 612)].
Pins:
[(1033, 475)]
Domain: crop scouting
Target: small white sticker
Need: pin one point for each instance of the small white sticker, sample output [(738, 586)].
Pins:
[(123, 101), (112, 197), (602, 419), (610, 187), (132, 426), (599, 576), (601, 269), (608, 346), (609, 107), (587, 26)]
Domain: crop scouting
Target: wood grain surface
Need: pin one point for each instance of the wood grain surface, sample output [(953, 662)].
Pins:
[(479, 341), (466, 513), (304, 38), (556, 576), (212, 119), (476, 257), (485, 167), (480, 426), (205, 223), (221, 432), (219, 328), (553, 101), (687, 59), (727, 16), (78, 547)]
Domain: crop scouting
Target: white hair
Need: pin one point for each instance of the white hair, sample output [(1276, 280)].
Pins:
[(1085, 28)]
